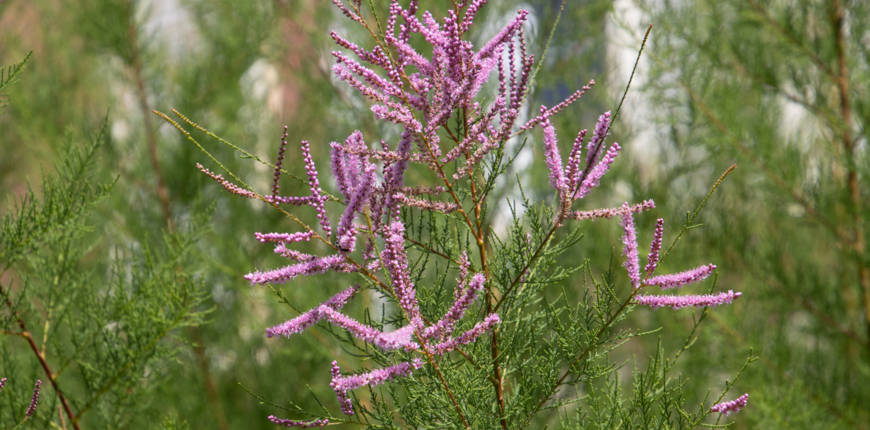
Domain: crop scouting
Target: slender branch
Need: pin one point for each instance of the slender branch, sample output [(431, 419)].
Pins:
[(583, 354), (631, 77), (429, 249), (41, 358), (858, 243)]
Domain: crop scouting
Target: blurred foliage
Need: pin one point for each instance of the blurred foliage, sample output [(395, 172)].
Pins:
[(781, 89)]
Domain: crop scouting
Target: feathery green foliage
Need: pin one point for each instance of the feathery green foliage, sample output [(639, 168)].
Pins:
[(781, 88), (99, 333), (9, 77)]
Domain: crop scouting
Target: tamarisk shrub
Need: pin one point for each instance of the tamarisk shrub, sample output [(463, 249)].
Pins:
[(494, 353)]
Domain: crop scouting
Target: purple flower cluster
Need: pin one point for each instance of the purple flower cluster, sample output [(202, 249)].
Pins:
[(343, 384), (33, 400), (612, 212), (655, 247), (698, 274), (680, 279), (573, 182), (733, 406), (421, 94), (677, 302)]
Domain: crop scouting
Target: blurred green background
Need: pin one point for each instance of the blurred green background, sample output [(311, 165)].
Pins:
[(779, 88)]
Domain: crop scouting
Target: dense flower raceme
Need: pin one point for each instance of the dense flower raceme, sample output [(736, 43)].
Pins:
[(632, 264), (733, 406), (421, 94)]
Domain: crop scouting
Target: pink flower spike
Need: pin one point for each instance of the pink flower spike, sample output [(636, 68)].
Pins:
[(33, 400), (279, 276), (466, 296), (284, 237), (314, 185), (612, 212), (342, 384), (308, 319), (630, 248), (469, 336), (681, 279), (279, 162), (593, 149), (573, 171), (733, 406), (677, 302), (397, 339), (551, 154), (593, 178), (320, 423), (396, 260), (655, 247), (229, 186)]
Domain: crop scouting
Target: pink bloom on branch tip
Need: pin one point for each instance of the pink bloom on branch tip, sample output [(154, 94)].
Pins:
[(396, 339), (733, 406), (284, 237), (598, 136), (629, 239), (396, 261), (681, 279), (469, 336), (279, 162), (678, 302), (464, 298), (342, 384), (551, 154), (229, 186), (315, 266), (33, 400), (320, 423), (593, 178), (655, 247), (612, 212), (308, 319), (573, 171)]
